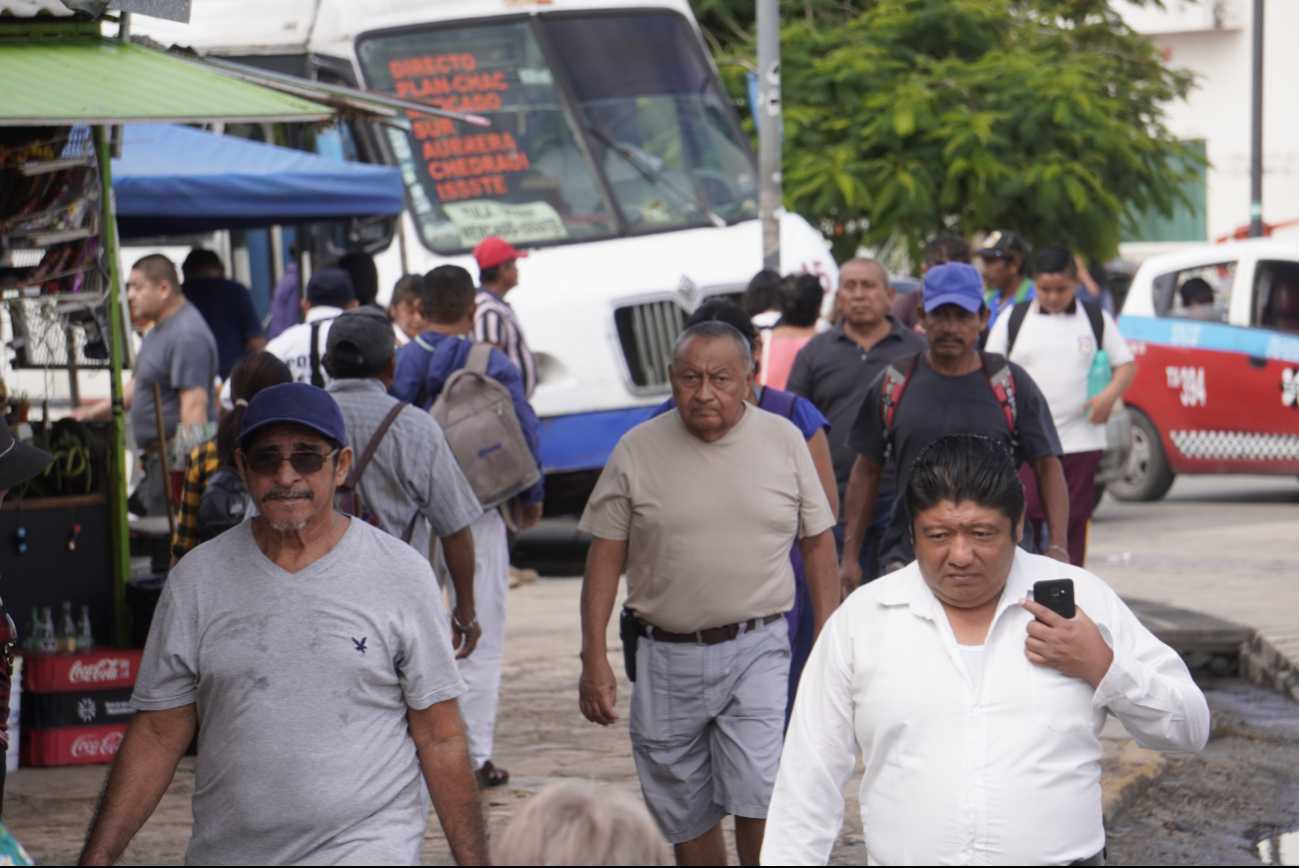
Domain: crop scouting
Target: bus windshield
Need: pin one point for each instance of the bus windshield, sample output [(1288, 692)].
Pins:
[(647, 142)]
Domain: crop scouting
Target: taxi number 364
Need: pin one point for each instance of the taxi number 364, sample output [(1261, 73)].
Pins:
[(1191, 382)]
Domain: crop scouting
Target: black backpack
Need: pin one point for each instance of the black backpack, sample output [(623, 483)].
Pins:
[(225, 503)]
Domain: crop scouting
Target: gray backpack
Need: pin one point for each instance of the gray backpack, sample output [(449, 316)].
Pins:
[(477, 415)]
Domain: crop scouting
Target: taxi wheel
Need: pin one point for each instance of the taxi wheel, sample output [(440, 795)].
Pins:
[(1147, 475)]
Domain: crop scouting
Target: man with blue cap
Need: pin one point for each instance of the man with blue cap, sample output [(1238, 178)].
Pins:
[(953, 388), (311, 653)]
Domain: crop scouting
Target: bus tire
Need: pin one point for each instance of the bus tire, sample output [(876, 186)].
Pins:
[(1147, 476)]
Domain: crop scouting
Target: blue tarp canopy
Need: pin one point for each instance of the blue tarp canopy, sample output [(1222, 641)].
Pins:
[(173, 180)]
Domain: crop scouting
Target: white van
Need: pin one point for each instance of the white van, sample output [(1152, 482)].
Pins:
[(614, 156)]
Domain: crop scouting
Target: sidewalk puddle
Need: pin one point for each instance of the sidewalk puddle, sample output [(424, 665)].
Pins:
[(1282, 849)]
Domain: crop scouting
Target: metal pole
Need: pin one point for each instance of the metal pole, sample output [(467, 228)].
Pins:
[(1256, 143), (119, 543), (769, 130)]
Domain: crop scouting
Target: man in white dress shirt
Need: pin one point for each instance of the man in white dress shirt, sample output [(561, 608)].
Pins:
[(977, 723)]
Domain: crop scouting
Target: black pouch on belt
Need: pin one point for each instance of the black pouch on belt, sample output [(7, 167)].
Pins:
[(629, 632)]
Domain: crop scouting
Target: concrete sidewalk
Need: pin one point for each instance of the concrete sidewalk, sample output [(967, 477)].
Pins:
[(1225, 546)]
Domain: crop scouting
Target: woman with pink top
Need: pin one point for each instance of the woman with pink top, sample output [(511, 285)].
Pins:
[(800, 306)]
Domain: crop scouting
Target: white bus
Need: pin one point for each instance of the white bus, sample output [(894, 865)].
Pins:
[(614, 156)]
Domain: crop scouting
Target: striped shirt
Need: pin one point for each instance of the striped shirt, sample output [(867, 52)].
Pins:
[(413, 468), (496, 323)]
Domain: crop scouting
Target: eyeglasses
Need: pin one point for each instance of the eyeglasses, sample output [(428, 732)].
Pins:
[(268, 463)]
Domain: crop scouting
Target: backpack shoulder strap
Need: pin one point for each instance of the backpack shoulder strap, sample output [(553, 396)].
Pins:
[(317, 378), (896, 377), (354, 476), (479, 356), (778, 401), (1017, 314), (1002, 382), (1097, 321)]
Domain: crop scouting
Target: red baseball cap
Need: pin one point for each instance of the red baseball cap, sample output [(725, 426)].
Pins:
[(492, 251)]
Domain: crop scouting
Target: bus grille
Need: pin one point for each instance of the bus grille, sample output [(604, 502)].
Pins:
[(648, 333)]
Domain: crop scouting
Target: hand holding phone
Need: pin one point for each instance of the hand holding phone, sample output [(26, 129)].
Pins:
[(1056, 595)]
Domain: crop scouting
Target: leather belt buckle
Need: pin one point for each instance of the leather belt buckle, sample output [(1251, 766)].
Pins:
[(699, 637)]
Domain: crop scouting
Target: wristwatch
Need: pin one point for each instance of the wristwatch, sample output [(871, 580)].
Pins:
[(464, 628)]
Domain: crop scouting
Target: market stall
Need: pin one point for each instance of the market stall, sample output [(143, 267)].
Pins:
[(63, 88)]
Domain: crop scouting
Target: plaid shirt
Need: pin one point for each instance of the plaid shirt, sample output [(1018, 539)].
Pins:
[(203, 462)]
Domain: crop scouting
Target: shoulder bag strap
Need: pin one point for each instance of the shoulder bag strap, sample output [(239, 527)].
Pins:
[(479, 356), (354, 476), (1017, 314), (317, 378), (1097, 321)]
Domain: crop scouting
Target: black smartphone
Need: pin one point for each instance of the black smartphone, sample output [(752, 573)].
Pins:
[(1056, 595)]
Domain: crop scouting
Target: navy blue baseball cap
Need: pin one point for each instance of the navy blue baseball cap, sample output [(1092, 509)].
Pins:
[(957, 283), (294, 404), (332, 287)]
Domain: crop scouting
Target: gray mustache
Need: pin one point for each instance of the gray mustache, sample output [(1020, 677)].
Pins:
[(282, 493)]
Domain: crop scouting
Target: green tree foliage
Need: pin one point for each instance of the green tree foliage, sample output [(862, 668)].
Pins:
[(905, 118)]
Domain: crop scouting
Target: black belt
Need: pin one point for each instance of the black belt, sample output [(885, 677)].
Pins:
[(711, 636)]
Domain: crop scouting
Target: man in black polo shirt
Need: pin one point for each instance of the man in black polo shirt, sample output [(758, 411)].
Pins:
[(835, 370), (949, 389)]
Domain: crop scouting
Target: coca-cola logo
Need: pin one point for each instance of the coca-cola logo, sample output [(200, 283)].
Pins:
[(92, 747), (105, 669)]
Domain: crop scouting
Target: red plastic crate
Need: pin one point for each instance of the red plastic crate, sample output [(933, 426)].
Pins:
[(70, 746), (101, 669)]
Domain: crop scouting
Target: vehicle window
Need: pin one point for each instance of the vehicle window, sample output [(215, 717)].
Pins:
[(1276, 296), (660, 127), (1202, 293), (524, 178)]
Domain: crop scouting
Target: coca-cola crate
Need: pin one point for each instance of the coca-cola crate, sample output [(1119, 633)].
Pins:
[(101, 669), (70, 746), (79, 708)]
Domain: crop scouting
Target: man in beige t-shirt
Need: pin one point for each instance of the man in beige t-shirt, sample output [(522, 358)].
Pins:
[(701, 507)]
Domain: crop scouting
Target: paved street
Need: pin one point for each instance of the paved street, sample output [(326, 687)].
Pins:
[(1222, 545)]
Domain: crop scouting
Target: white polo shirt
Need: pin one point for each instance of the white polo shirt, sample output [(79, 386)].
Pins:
[(293, 345), (1057, 351)]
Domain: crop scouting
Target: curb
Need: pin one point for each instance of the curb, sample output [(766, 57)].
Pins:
[(1136, 769), (1269, 661)]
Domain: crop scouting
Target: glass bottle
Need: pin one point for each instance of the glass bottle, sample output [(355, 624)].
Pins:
[(67, 635), (29, 636), (46, 643), (85, 641)]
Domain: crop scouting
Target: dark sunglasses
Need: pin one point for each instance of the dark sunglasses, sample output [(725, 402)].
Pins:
[(268, 463)]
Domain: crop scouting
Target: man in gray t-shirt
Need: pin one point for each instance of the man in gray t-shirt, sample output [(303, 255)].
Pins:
[(179, 355), (312, 653)]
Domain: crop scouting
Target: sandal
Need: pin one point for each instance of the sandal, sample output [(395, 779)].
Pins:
[(491, 776)]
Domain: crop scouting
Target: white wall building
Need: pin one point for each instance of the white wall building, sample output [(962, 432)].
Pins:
[(1212, 38)]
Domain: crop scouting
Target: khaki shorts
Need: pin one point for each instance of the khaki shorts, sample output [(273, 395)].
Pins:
[(707, 725)]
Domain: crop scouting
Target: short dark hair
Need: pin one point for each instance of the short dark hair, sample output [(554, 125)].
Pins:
[(446, 294), (943, 249), (800, 300), (490, 275), (727, 311), (365, 276), (407, 288), (202, 261), (1196, 291), (157, 268), (762, 292), (965, 467), (1055, 260), (251, 374), (711, 330)]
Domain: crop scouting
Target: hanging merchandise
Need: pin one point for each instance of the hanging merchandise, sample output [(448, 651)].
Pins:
[(53, 275)]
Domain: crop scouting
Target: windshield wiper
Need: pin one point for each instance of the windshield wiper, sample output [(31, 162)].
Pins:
[(654, 174)]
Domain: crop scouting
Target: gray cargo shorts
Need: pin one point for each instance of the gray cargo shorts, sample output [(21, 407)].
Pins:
[(707, 725)]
